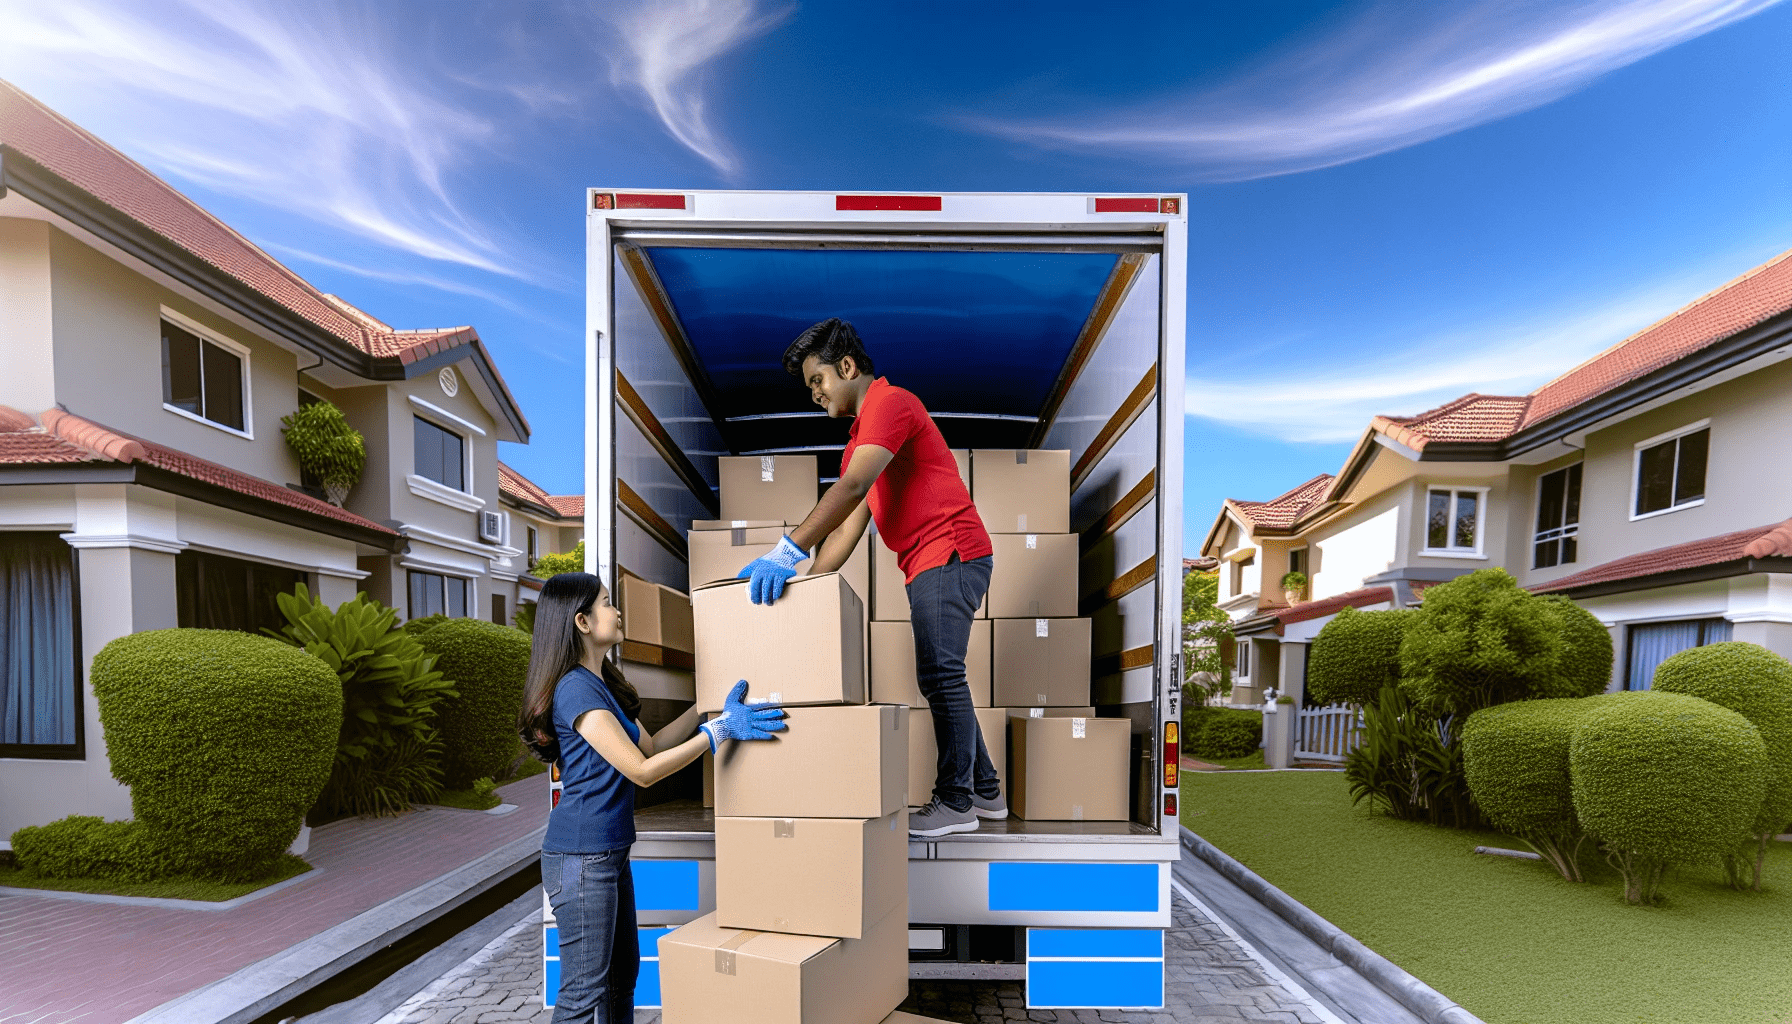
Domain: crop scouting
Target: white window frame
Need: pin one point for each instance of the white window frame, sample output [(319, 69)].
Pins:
[(1481, 504), (1636, 468), (434, 490), (1560, 532), (237, 348)]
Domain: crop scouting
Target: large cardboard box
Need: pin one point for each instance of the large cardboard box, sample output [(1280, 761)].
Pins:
[(781, 487), (1021, 491), (806, 648), (839, 762), (857, 569), (909, 1018), (812, 876), (889, 587), (1069, 769), (924, 751), (721, 548), (963, 457), (893, 664), (1085, 712), (710, 974), (1034, 576), (656, 614), (1035, 663)]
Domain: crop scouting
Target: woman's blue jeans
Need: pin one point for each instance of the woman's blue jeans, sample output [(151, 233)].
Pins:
[(593, 896), (942, 602)]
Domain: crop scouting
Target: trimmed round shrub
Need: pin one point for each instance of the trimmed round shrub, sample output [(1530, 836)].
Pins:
[(1515, 760), (1663, 779), (1477, 641), (224, 738), (1356, 655), (1755, 683), (1584, 667), (1226, 732), (488, 664)]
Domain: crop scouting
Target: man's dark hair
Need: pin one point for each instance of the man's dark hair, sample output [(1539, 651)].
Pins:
[(830, 341)]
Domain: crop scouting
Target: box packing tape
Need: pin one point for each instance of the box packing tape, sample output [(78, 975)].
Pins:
[(1020, 523), (1076, 814), (783, 828), (725, 952), (737, 536), (1020, 456), (766, 464)]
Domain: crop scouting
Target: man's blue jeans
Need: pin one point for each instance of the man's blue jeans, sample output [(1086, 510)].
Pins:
[(593, 896), (942, 602)]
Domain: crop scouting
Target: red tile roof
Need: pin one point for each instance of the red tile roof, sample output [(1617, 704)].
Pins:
[(67, 438), (571, 506), (1331, 605), (520, 487), (1472, 417), (1758, 542), (1283, 509)]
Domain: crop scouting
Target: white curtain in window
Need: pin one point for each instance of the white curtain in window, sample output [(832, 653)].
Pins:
[(1653, 643)]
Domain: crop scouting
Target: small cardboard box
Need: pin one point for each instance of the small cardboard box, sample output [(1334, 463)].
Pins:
[(893, 664), (1088, 712), (1034, 577), (1035, 663), (1069, 769), (781, 487), (719, 550), (806, 648), (889, 587), (655, 614), (924, 751), (811, 876), (1021, 491), (709, 974), (839, 762)]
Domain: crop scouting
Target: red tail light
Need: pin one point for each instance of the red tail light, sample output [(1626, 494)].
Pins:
[(923, 203)]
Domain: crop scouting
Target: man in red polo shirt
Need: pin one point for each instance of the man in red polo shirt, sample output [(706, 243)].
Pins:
[(897, 469)]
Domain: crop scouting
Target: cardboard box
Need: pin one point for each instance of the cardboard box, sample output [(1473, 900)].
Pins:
[(893, 664), (719, 552), (781, 487), (811, 876), (1021, 491), (807, 648), (709, 780), (709, 974), (839, 762), (655, 614), (909, 1018), (1069, 769), (924, 751), (1088, 712), (889, 587), (1035, 576), (963, 457), (857, 569), (1034, 663)]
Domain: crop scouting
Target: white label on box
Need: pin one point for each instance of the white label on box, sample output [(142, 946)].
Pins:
[(774, 697), (1042, 699), (1042, 627), (1020, 524), (1032, 542), (738, 524), (1079, 728), (1076, 812), (1036, 712), (766, 462)]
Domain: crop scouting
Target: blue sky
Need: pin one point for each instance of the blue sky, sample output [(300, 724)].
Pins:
[(1390, 204)]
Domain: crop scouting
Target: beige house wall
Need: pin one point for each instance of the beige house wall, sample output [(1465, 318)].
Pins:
[(29, 382)]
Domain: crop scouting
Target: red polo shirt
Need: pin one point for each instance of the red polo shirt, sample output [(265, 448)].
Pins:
[(922, 509)]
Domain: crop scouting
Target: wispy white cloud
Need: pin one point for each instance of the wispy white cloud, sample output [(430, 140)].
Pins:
[(1397, 75), (1308, 398), (666, 45)]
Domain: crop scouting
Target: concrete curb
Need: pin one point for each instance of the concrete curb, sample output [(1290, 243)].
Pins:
[(1405, 989), (163, 902), (262, 986)]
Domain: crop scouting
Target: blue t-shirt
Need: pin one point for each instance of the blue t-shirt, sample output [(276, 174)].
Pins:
[(597, 803)]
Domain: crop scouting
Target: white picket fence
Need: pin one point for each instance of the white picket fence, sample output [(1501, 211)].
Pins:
[(1327, 733)]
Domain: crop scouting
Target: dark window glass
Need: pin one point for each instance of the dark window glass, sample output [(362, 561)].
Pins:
[(1297, 560), (456, 592), (532, 547), (1558, 518), (1466, 504), (1437, 520), (1655, 478), (1689, 474), (435, 594), (40, 648), (1549, 501), (498, 610), (218, 592), (439, 455), (1571, 507), (223, 386), (180, 368)]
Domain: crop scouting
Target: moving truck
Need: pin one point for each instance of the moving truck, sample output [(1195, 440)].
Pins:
[(1022, 321)]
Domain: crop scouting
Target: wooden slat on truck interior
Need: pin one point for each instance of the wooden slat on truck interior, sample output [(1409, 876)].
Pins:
[(653, 295), (657, 436), (1114, 664), (1127, 582), (1128, 506), (1142, 394), (1107, 303), (650, 520)]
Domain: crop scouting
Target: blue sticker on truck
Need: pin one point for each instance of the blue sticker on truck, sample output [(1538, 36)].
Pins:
[(1095, 968), (1070, 887), (666, 885)]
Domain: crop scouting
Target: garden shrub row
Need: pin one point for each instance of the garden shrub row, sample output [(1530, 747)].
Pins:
[(1209, 731)]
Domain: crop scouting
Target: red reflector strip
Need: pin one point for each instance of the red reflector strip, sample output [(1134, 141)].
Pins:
[(556, 802), (1169, 805), (1172, 765), (887, 203), (646, 201), (1126, 204)]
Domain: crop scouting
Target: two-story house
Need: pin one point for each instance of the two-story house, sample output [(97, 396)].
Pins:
[(149, 354), (1643, 483), (541, 523)]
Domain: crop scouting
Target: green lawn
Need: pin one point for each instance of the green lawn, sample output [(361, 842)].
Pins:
[(1254, 759), (1508, 939), (167, 888)]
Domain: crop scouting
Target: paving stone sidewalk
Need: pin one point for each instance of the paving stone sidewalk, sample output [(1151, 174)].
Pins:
[(1211, 980)]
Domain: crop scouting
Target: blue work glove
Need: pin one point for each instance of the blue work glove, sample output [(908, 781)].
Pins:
[(770, 571), (742, 722)]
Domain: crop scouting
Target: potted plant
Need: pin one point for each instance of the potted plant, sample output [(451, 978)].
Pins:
[(328, 449), (1293, 585)]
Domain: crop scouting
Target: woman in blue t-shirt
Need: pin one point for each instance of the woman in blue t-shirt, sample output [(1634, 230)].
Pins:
[(580, 711)]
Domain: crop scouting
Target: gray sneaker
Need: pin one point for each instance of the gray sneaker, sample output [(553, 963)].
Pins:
[(989, 807), (936, 819)]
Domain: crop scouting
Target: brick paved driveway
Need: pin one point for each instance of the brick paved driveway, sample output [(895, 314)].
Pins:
[(1211, 980)]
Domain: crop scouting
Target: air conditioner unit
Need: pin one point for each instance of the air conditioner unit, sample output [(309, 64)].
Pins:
[(491, 527)]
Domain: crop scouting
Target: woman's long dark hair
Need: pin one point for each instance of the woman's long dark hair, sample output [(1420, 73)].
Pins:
[(554, 651)]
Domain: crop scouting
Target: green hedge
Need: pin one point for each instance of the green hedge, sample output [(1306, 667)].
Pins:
[(224, 738), (1515, 759), (1221, 732), (1755, 683), (488, 664), (1584, 664), (1664, 778), (83, 846), (1477, 641), (1356, 655)]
